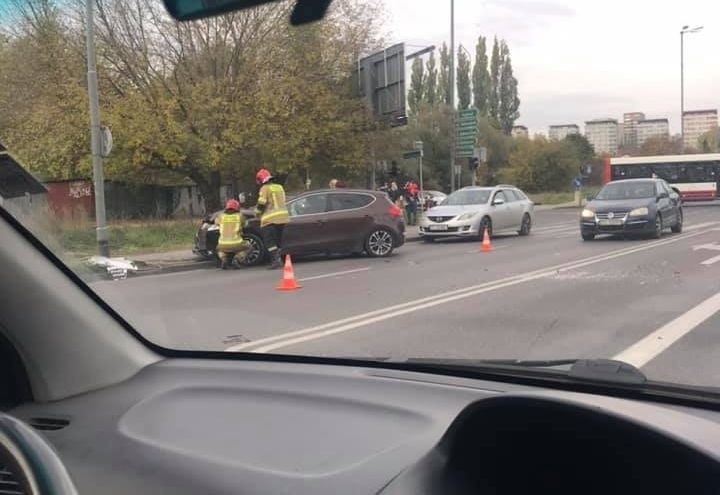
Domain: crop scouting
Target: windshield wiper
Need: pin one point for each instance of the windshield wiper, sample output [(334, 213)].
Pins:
[(595, 370)]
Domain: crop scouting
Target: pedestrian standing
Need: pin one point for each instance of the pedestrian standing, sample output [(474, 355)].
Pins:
[(411, 202), (273, 214), (231, 245), (394, 193), (333, 183)]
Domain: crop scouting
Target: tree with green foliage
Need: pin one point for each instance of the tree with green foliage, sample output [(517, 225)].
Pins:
[(582, 147), (43, 96), (205, 100), (540, 165), (416, 94), (481, 78), (508, 92), (431, 82), (463, 80), (495, 71), (444, 76)]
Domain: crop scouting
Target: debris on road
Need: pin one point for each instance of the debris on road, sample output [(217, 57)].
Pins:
[(116, 268)]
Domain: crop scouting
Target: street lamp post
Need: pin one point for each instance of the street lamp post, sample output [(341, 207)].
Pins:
[(685, 29), (101, 231), (452, 95)]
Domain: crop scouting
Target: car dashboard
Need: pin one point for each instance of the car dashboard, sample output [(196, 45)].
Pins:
[(188, 426)]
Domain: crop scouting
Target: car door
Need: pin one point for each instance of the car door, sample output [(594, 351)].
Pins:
[(500, 212), (675, 200), (306, 231), (349, 219), (516, 208), (664, 204)]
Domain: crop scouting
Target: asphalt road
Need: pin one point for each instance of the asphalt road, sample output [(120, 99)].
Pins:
[(546, 296)]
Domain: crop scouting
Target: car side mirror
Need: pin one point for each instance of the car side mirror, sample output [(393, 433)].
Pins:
[(589, 197), (662, 195), (498, 202)]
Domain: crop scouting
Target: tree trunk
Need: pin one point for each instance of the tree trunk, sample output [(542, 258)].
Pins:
[(209, 185)]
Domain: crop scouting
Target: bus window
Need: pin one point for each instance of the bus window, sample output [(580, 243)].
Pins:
[(619, 172), (667, 172), (697, 173)]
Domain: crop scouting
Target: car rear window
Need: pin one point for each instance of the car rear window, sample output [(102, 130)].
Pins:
[(348, 201)]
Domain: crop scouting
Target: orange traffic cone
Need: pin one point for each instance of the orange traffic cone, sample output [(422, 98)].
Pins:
[(486, 246), (288, 281)]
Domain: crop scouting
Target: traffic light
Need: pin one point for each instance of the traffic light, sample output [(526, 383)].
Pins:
[(473, 163)]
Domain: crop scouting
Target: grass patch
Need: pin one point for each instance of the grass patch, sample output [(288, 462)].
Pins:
[(128, 237)]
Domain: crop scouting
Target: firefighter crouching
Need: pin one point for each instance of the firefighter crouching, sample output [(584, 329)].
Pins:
[(273, 214), (231, 244)]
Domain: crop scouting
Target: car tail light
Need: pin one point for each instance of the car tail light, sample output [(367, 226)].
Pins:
[(395, 211)]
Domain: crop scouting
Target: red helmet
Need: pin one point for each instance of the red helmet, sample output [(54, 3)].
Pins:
[(262, 176), (232, 204)]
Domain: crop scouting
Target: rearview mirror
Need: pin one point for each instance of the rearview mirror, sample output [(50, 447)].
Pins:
[(498, 201), (185, 10)]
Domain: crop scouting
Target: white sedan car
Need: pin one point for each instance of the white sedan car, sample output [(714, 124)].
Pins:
[(469, 211)]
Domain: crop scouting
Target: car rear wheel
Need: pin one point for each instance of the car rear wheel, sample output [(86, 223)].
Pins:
[(657, 233), (526, 225), (587, 237), (379, 243), (257, 254), (677, 228)]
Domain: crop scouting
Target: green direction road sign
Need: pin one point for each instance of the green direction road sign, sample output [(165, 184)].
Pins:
[(469, 124), (464, 153), (462, 140), (466, 132), (468, 112)]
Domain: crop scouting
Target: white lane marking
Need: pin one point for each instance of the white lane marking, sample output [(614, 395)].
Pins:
[(696, 226), (363, 319), (566, 226), (712, 246), (710, 261), (640, 353), (334, 274)]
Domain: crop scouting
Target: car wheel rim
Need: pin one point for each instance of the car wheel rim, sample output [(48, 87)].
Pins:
[(658, 225), (526, 224), (254, 253), (380, 242)]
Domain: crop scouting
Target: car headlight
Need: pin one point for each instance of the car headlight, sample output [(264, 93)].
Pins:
[(467, 216), (639, 212), (588, 213)]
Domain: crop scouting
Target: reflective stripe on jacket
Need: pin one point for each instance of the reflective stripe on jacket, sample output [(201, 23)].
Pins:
[(273, 197), (230, 230)]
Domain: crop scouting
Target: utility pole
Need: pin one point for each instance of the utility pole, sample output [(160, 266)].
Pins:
[(452, 95), (685, 29), (95, 133)]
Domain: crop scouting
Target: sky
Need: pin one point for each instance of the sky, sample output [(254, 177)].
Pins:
[(579, 60)]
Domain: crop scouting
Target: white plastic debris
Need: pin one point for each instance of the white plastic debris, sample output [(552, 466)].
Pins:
[(117, 268)]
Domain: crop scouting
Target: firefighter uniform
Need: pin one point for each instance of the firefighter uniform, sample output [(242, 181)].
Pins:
[(273, 215), (231, 243)]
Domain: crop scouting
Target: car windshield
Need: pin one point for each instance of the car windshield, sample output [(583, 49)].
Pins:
[(468, 197), (243, 184), (627, 190)]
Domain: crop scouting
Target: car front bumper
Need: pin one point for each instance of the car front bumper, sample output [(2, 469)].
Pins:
[(452, 228), (639, 225)]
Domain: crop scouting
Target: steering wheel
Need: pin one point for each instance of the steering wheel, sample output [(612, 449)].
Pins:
[(31, 460)]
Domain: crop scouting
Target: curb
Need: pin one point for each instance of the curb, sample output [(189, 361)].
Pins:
[(180, 266)]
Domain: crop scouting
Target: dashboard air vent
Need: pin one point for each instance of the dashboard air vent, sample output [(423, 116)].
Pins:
[(9, 483), (48, 424)]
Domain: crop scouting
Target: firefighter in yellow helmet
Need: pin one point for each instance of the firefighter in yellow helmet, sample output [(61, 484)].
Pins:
[(231, 244), (273, 214)]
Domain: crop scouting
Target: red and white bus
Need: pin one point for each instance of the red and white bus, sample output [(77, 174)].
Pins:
[(695, 176)]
